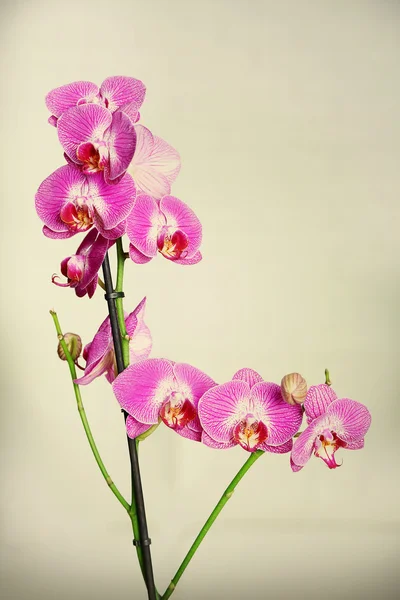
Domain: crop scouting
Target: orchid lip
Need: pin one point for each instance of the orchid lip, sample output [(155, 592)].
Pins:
[(325, 447), (250, 433), (77, 215), (177, 411), (172, 245)]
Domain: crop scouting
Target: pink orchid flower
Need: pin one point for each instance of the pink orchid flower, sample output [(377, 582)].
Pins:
[(333, 423), (169, 227), (70, 202), (81, 269), (249, 412), (115, 93), (155, 164), (99, 353), (160, 389), (96, 140)]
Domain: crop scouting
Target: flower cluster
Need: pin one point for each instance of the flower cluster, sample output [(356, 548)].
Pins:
[(117, 179)]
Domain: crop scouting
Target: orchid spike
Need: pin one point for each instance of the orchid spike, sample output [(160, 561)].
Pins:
[(249, 412), (160, 389), (155, 164), (81, 269), (118, 93), (333, 423), (70, 202), (99, 354), (169, 227)]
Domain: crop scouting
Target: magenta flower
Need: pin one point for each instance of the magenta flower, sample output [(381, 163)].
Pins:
[(81, 269), (99, 354), (155, 164), (249, 412), (96, 140), (160, 389), (333, 423), (168, 226), (70, 202), (115, 93)]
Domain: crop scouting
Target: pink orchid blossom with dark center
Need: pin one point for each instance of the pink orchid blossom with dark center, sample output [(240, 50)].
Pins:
[(71, 202), (118, 93), (81, 269), (333, 424), (96, 140), (248, 412), (169, 227), (99, 353), (155, 164), (158, 389)]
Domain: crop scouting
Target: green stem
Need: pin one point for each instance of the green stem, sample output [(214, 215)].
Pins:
[(207, 525), (119, 302), (83, 417)]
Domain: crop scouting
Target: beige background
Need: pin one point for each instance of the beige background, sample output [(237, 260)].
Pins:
[(286, 115)]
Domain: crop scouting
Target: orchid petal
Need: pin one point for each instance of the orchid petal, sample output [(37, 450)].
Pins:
[(192, 382), (140, 343), (178, 215), (317, 401), (121, 140), (85, 123), (119, 90), (67, 96), (142, 388), (189, 434), (143, 224), (208, 441), (112, 203), (282, 449), (98, 369), (222, 407), (57, 235), (349, 419), (281, 419), (193, 260), (134, 428), (138, 257), (249, 375)]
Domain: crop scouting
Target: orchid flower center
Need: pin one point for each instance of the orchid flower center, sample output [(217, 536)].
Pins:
[(173, 244), (78, 215), (177, 411), (250, 433), (75, 268), (325, 447), (94, 156)]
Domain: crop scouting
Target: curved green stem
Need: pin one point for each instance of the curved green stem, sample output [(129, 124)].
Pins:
[(121, 257), (207, 525), (83, 417)]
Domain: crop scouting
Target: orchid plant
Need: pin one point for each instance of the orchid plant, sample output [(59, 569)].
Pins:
[(117, 181)]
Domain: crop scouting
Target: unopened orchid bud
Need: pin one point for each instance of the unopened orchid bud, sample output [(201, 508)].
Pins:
[(74, 345), (294, 388)]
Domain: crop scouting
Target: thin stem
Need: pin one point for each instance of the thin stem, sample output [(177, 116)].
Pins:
[(327, 378), (83, 416), (119, 301), (207, 525)]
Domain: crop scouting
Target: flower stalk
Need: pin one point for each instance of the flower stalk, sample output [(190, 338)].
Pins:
[(207, 525)]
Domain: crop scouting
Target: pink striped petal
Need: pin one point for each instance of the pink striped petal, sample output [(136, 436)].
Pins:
[(356, 445), (304, 444), (155, 164), (121, 140), (189, 434), (179, 216), (317, 401), (114, 233), (94, 259), (97, 369), (85, 123), (57, 235), (60, 187), (143, 387), (222, 407), (134, 428), (140, 343), (112, 203), (117, 91), (349, 419), (100, 344), (192, 382), (286, 447), (208, 441), (143, 224), (281, 419), (251, 377), (138, 257), (67, 96), (295, 468), (193, 260)]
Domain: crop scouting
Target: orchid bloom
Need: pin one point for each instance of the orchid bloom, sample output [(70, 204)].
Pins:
[(96, 140), (81, 269), (333, 423), (157, 389), (125, 94), (70, 202), (169, 227), (249, 412), (99, 354), (155, 164)]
